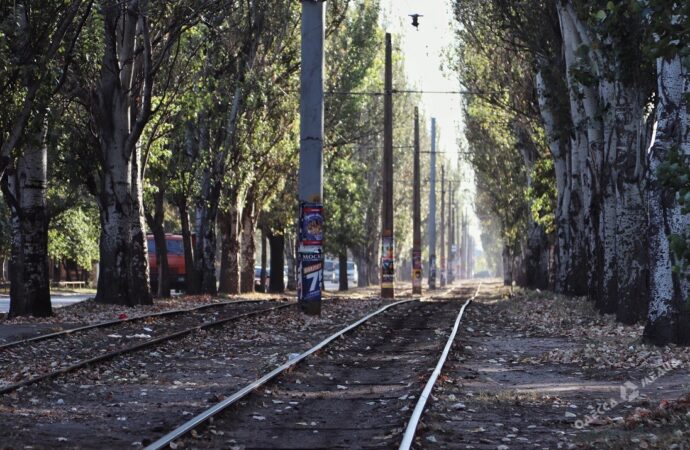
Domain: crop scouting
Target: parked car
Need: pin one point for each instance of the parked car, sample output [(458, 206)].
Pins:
[(329, 270), (176, 264), (352, 276)]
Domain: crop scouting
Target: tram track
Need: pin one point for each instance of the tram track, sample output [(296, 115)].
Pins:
[(119, 402), (50, 356), (355, 394), (120, 322)]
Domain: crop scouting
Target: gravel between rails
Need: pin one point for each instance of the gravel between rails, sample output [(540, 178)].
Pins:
[(134, 398), (32, 359), (357, 393)]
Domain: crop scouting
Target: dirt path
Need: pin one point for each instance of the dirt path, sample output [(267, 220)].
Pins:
[(505, 386)]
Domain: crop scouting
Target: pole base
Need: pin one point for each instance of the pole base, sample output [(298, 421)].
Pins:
[(387, 293), (417, 291), (311, 308)]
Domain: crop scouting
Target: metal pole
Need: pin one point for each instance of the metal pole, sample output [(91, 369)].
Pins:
[(432, 209), (416, 215), (443, 226), (387, 241), (310, 234), (451, 237)]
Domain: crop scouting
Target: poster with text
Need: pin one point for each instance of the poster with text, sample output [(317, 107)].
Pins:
[(311, 265)]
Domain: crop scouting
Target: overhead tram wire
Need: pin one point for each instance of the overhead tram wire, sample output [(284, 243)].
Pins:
[(401, 91), (404, 91)]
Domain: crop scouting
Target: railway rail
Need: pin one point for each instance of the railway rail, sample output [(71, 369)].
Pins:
[(49, 356), (119, 322), (120, 402), (355, 392)]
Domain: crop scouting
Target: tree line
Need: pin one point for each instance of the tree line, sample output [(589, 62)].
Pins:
[(582, 109), (123, 118)]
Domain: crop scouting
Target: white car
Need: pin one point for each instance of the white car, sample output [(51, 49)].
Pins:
[(352, 276)]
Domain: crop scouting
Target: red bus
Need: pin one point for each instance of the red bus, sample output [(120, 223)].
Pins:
[(176, 263)]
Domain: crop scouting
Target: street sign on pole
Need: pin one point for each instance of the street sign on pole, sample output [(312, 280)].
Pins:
[(310, 232)]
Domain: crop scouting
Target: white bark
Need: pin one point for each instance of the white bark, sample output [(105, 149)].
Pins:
[(666, 320), (559, 154), (25, 193), (580, 179), (119, 114)]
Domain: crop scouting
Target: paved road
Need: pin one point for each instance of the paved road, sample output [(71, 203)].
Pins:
[(56, 300)]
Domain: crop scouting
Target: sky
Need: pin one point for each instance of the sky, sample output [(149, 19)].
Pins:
[(426, 51)]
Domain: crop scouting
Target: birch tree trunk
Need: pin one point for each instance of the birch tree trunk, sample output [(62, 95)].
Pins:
[(554, 123), (25, 192), (119, 113), (291, 264), (580, 180), (668, 320), (139, 268)]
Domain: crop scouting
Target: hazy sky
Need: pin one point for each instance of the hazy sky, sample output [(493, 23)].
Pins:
[(426, 53)]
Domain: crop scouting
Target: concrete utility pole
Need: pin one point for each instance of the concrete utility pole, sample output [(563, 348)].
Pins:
[(451, 239), (432, 209), (387, 241), (443, 226), (310, 234), (451, 233), (416, 215)]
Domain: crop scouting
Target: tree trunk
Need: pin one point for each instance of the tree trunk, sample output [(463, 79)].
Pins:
[(277, 244), (205, 251), (632, 264), (25, 192), (581, 219), (191, 277), (139, 269), (156, 222), (290, 257), (119, 113), (342, 278), (264, 276), (668, 320), (247, 246), (230, 246), (507, 267)]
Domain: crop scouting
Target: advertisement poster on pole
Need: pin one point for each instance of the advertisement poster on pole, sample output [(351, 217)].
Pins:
[(311, 270), (387, 262), (311, 225)]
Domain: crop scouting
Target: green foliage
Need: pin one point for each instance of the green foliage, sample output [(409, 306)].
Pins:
[(503, 127), (542, 194), (73, 235)]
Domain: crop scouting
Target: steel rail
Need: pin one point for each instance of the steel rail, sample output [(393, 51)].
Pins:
[(139, 346), (111, 323), (406, 443), (197, 420)]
